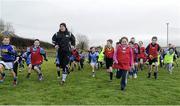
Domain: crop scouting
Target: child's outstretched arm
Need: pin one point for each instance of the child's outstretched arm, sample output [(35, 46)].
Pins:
[(115, 56), (43, 53), (28, 51), (131, 58)]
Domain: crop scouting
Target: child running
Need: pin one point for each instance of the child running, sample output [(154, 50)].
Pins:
[(7, 59), (152, 51), (136, 50), (101, 58), (75, 59), (123, 61), (142, 55), (27, 58), (109, 52), (93, 57), (168, 60), (37, 53)]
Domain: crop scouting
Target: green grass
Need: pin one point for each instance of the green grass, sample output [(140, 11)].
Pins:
[(81, 88)]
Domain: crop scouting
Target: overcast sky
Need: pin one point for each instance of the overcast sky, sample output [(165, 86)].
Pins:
[(98, 19)]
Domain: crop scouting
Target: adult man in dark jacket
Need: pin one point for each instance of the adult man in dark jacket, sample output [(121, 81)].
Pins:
[(63, 40)]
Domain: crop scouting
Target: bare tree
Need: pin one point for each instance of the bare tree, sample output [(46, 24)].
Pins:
[(9, 28), (82, 42), (2, 25), (6, 27)]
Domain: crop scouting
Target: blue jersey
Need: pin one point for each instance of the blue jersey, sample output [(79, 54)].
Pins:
[(93, 57), (27, 58), (8, 54)]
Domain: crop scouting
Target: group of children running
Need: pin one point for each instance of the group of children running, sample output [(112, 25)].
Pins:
[(10, 59), (126, 59), (129, 57)]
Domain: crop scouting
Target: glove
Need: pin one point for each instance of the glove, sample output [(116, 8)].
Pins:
[(57, 47)]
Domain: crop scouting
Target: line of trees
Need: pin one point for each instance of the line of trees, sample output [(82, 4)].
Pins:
[(7, 29)]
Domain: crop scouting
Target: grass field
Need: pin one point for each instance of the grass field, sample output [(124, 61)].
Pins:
[(81, 88)]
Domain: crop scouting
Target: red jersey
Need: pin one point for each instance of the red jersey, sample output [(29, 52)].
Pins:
[(142, 53), (124, 57), (153, 50), (36, 57), (75, 54), (109, 52)]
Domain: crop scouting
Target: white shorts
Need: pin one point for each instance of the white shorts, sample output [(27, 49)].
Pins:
[(93, 64), (7, 65)]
